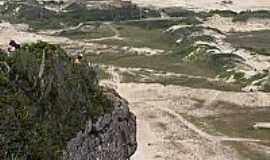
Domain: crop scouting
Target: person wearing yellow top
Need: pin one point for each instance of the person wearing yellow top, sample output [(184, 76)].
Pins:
[(78, 59)]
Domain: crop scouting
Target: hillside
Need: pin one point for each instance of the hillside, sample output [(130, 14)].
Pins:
[(43, 16), (48, 102), (195, 73)]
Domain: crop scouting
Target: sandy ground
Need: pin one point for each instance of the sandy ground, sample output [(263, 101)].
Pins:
[(238, 5), (163, 133), (19, 34)]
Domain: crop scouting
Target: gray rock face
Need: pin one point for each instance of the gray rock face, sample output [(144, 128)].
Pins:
[(111, 137)]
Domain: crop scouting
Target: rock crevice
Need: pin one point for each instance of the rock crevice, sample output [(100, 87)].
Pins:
[(111, 137)]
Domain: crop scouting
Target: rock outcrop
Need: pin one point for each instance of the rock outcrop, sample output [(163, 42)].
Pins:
[(52, 108), (111, 137)]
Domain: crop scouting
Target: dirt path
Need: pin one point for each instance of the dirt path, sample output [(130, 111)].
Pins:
[(145, 136), (189, 124), (163, 133), (205, 134), (166, 134)]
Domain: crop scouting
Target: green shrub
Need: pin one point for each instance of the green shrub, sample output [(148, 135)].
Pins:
[(39, 114), (245, 15), (223, 13), (39, 17), (179, 12)]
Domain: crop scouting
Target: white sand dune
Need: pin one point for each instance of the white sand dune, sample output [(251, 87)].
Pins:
[(237, 5)]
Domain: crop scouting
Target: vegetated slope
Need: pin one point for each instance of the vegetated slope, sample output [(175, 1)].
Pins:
[(44, 101), (40, 17), (208, 39)]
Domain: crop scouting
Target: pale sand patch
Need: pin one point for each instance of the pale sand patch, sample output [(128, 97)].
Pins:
[(143, 51), (238, 5), (169, 135), (19, 34), (145, 137)]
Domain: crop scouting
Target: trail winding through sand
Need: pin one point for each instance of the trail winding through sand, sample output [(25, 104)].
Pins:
[(158, 106), (157, 98)]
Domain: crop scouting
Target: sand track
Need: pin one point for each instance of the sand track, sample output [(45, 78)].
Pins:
[(165, 133)]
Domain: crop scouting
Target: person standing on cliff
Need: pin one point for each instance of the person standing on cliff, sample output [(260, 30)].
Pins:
[(13, 46), (78, 59)]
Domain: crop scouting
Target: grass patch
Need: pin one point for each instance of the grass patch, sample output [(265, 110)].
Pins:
[(246, 15), (181, 81), (202, 64), (158, 24), (179, 12), (246, 152), (239, 123), (167, 63), (223, 13), (141, 37), (98, 32), (257, 41)]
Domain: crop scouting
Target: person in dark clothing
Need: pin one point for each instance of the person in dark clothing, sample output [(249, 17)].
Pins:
[(80, 56), (12, 43), (13, 46)]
